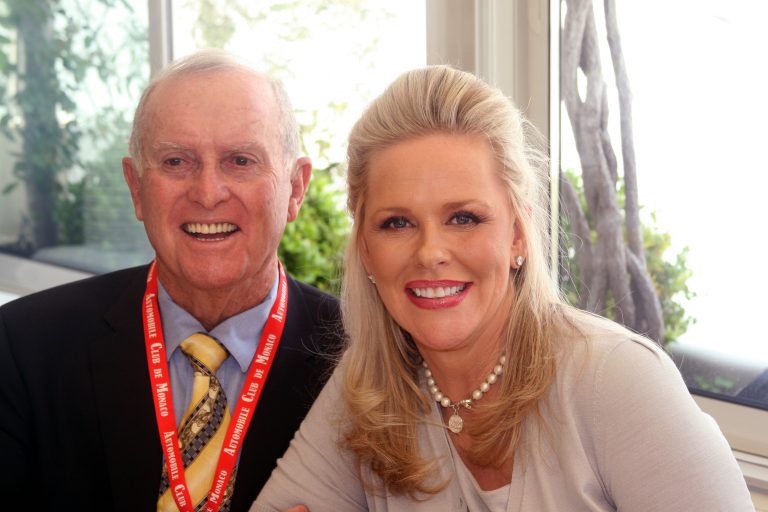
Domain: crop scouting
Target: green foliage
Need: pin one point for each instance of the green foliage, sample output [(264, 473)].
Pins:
[(215, 25), (65, 45), (107, 211), (718, 384), (68, 213), (312, 246), (670, 277), (669, 272), (218, 20)]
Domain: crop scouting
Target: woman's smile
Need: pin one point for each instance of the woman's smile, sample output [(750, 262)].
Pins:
[(437, 294)]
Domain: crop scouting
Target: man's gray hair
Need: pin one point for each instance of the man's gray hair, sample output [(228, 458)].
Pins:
[(212, 60)]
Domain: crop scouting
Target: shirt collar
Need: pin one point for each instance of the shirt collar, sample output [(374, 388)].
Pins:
[(239, 334)]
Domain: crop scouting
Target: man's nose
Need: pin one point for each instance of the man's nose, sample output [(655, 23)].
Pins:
[(433, 247), (210, 187)]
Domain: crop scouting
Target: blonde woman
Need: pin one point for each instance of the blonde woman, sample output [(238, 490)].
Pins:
[(468, 384)]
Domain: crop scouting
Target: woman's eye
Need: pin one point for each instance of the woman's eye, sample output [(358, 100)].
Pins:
[(395, 223), (464, 218)]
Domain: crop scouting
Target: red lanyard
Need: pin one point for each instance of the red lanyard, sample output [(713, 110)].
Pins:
[(241, 417)]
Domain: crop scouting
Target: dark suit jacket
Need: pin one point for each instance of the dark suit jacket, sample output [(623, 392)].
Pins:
[(77, 422)]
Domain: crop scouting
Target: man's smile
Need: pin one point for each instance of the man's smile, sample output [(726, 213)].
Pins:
[(210, 232)]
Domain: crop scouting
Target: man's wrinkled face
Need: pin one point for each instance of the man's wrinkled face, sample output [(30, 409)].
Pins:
[(214, 191)]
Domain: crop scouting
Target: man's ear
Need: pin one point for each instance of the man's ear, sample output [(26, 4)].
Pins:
[(132, 178), (300, 176)]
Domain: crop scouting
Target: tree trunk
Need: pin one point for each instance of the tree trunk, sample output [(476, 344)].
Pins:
[(632, 204), (609, 266), (41, 133)]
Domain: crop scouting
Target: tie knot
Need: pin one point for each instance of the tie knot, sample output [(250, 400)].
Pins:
[(205, 349)]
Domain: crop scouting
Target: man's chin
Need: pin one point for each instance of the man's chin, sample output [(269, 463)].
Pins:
[(200, 275), (215, 278)]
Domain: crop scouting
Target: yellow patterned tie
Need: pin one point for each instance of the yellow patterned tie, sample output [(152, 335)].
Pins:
[(203, 426)]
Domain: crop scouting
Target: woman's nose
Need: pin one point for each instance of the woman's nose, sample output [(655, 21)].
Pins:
[(433, 249)]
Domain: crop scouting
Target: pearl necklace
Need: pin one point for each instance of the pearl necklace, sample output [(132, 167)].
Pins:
[(455, 423)]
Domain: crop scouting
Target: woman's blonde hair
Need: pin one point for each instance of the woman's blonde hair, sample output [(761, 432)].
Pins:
[(381, 390)]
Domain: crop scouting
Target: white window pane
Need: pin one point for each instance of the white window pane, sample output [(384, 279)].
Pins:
[(333, 57), (698, 98), (71, 76)]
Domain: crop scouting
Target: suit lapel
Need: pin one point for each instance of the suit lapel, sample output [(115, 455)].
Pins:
[(124, 401), (286, 397)]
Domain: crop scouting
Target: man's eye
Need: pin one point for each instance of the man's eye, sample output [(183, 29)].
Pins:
[(174, 162), (241, 160)]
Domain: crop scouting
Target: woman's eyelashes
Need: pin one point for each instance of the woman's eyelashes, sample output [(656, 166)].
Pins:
[(395, 223), (466, 218), (459, 218)]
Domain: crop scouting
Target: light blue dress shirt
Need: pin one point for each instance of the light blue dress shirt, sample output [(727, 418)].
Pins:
[(240, 335)]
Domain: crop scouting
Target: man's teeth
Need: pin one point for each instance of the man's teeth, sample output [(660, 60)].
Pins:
[(210, 229), (439, 292)]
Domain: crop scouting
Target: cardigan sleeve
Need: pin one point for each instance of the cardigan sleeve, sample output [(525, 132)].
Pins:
[(315, 471), (656, 450)]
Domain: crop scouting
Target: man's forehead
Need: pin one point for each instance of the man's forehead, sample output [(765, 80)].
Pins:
[(222, 101), (198, 88)]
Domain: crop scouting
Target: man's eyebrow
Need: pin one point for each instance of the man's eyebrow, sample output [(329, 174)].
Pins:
[(169, 145), (175, 146), (251, 145)]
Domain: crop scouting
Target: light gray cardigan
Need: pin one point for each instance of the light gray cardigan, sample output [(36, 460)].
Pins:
[(625, 435)]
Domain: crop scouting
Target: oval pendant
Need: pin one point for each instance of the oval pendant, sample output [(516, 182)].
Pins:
[(455, 423)]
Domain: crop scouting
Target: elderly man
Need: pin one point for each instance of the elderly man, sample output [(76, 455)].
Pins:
[(175, 386)]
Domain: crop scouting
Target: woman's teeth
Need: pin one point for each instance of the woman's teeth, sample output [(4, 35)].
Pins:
[(438, 292)]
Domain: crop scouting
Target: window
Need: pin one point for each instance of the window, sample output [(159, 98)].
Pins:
[(86, 221), (70, 77), (333, 57), (696, 106)]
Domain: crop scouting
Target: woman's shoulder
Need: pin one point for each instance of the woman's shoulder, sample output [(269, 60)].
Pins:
[(587, 339), (601, 361)]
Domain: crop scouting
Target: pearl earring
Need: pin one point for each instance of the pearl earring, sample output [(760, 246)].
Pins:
[(371, 278), (519, 261)]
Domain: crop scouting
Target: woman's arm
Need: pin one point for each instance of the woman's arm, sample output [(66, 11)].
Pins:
[(656, 450), (315, 471)]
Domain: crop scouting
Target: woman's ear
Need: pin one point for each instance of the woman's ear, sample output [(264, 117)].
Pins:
[(519, 246)]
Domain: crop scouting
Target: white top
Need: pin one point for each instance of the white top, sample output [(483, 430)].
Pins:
[(625, 435), (477, 499)]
